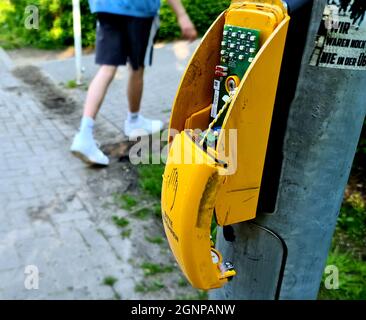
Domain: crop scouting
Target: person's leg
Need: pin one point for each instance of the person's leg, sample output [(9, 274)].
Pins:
[(135, 89), (110, 53), (135, 124), (141, 32), (97, 90), (84, 145)]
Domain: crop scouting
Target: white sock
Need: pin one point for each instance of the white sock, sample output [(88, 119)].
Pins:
[(133, 116), (87, 126)]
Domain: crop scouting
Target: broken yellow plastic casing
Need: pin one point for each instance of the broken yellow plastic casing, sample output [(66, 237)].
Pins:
[(199, 181), (188, 200)]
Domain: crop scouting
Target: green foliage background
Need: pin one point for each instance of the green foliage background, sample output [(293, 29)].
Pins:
[(56, 28), (55, 24)]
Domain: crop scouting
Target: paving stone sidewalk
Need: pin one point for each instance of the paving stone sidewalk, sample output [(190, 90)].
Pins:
[(45, 220), (53, 212)]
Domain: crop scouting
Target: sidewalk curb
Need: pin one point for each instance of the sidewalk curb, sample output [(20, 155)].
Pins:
[(5, 61)]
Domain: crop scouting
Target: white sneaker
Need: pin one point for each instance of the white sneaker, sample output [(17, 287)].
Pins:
[(142, 127), (88, 151)]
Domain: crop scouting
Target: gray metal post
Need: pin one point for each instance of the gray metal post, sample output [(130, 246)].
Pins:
[(77, 40), (283, 255)]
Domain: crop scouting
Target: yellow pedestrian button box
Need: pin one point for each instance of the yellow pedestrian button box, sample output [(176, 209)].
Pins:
[(219, 132)]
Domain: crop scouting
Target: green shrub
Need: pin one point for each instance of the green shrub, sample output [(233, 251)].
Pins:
[(56, 23), (202, 13)]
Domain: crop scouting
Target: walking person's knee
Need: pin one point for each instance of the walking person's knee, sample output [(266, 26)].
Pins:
[(137, 74), (108, 72)]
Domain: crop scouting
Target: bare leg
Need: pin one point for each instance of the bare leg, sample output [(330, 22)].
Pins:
[(135, 124), (135, 89), (98, 89)]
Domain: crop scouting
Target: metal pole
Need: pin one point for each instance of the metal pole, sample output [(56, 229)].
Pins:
[(77, 40), (282, 255)]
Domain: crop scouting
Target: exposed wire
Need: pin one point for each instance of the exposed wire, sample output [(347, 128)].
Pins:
[(214, 121)]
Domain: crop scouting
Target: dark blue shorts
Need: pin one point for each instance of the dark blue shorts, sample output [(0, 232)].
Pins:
[(122, 39)]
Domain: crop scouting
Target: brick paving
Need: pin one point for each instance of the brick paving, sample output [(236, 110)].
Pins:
[(53, 209)]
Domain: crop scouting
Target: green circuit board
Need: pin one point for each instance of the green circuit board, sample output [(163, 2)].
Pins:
[(239, 47)]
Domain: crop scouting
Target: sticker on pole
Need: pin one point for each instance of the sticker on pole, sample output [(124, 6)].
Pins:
[(341, 39)]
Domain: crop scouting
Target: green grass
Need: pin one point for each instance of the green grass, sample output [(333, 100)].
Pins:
[(126, 233), (153, 286), (117, 296), (110, 281), (142, 214), (155, 240), (201, 295), (157, 210), (150, 181), (151, 178), (71, 84), (151, 269), (182, 282), (120, 221), (348, 251), (352, 278), (125, 201), (352, 218)]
